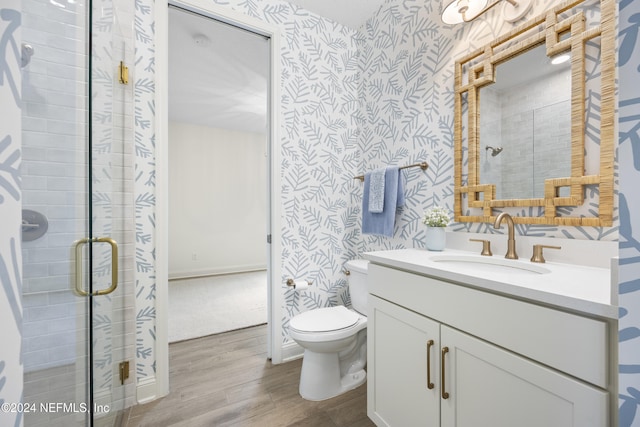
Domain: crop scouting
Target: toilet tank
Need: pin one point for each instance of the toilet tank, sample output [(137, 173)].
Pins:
[(358, 285)]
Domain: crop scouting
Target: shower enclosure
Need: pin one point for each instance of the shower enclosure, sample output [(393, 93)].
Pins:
[(78, 228)]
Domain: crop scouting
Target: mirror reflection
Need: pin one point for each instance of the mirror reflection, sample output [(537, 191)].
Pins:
[(538, 136), (525, 125)]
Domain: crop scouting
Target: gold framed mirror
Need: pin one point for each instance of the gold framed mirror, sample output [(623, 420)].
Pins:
[(560, 177)]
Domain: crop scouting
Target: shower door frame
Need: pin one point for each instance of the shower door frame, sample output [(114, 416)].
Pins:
[(274, 249)]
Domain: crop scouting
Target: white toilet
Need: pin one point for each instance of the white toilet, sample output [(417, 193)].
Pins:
[(334, 341)]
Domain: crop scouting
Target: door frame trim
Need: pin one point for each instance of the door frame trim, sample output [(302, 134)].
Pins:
[(275, 297)]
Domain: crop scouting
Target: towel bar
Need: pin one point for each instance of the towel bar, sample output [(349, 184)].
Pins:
[(422, 165)]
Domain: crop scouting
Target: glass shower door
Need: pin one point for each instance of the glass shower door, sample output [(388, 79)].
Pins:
[(77, 218), (112, 225)]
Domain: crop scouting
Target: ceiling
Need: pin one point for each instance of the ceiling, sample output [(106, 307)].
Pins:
[(527, 67), (350, 13), (218, 73)]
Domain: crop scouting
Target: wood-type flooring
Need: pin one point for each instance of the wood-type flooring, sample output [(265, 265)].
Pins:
[(226, 380)]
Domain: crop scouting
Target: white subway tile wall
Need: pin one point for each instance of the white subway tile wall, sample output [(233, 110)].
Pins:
[(54, 150), (528, 127)]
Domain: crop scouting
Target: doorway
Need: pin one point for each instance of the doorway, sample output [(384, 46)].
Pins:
[(218, 165)]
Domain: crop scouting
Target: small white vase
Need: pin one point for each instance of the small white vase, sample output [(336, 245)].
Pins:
[(436, 238)]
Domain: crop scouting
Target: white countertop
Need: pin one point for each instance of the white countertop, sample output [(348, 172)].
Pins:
[(572, 287)]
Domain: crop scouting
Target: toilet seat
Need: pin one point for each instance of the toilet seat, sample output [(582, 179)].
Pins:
[(329, 324), (324, 319)]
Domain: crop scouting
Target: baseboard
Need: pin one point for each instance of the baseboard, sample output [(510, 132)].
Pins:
[(291, 351), (218, 271), (103, 398), (146, 390)]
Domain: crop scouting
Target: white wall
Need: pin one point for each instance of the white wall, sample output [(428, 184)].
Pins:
[(217, 200)]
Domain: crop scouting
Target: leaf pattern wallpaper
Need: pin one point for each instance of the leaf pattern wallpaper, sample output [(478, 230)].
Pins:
[(629, 242), (351, 101), (112, 159), (144, 189), (406, 96), (319, 149)]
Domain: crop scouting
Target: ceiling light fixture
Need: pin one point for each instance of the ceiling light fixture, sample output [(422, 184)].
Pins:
[(459, 11)]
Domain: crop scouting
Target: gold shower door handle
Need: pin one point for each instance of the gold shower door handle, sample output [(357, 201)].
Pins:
[(430, 385), (114, 265)]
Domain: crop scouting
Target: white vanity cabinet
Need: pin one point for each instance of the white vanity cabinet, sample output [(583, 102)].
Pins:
[(422, 330)]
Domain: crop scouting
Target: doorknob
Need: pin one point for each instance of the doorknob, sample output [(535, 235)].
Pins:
[(114, 265)]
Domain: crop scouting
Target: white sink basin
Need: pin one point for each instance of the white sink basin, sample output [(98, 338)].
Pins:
[(488, 264)]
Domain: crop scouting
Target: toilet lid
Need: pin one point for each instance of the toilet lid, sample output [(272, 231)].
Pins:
[(324, 319)]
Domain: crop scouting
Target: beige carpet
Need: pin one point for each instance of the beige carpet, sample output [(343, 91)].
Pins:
[(209, 305)]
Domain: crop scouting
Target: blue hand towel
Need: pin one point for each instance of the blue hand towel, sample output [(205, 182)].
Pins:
[(383, 223), (376, 190), (401, 182)]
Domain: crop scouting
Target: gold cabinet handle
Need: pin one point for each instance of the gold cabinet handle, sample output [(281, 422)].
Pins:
[(430, 385), (114, 265), (445, 395)]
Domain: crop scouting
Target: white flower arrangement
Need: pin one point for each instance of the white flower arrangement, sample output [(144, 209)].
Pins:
[(436, 217)]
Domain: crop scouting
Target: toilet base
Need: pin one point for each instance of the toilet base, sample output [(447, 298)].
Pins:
[(320, 377)]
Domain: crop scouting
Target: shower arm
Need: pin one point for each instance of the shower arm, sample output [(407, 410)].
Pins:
[(494, 150)]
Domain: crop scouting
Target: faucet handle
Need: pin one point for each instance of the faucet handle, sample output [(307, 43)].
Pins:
[(486, 246), (537, 252)]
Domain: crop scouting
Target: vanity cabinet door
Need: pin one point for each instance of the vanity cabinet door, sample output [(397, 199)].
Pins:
[(489, 386), (397, 386)]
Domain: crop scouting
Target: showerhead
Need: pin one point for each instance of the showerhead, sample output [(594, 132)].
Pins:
[(494, 151), (27, 53)]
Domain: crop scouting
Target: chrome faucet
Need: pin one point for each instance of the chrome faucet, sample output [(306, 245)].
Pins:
[(511, 243)]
